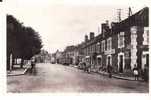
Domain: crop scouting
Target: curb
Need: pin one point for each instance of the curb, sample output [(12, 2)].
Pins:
[(117, 77), (114, 76), (24, 72)]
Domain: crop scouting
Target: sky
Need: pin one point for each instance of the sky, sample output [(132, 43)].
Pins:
[(61, 23)]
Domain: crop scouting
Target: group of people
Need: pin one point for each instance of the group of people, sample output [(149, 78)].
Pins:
[(86, 66), (135, 71), (109, 69), (144, 73)]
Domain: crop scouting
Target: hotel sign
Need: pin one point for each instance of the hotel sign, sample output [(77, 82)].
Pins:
[(109, 52), (133, 29)]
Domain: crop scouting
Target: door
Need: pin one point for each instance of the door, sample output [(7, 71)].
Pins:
[(99, 61), (121, 64), (145, 59), (109, 60)]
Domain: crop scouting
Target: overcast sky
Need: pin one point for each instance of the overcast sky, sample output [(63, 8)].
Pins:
[(66, 22)]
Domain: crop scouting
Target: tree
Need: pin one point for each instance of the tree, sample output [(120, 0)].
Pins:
[(31, 44), (22, 42), (12, 43)]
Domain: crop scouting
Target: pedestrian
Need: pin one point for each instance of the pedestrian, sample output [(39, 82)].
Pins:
[(135, 71), (109, 69), (33, 64), (88, 67)]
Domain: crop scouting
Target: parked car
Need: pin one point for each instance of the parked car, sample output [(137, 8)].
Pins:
[(81, 65)]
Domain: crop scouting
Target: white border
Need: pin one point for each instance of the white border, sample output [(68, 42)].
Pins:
[(62, 96)]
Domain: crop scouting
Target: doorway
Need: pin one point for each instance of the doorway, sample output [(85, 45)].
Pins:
[(109, 60), (121, 64), (145, 59)]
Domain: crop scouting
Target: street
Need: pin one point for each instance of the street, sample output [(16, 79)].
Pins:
[(65, 79)]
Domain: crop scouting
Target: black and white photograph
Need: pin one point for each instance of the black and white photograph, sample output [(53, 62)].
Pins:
[(69, 47)]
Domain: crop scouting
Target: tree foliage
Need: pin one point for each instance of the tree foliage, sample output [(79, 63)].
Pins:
[(22, 42)]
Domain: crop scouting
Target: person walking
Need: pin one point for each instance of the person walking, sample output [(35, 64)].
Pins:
[(135, 71), (33, 64), (88, 67), (109, 69)]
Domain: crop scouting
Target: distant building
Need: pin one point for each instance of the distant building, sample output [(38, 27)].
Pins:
[(43, 57), (69, 56), (58, 55), (53, 58)]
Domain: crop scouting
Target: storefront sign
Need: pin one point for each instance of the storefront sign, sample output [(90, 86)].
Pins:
[(99, 56), (134, 30), (112, 51), (87, 57)]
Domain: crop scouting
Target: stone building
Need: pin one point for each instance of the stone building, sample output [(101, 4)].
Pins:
[(122, 45)]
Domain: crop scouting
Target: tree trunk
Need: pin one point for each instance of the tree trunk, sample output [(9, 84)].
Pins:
[(8, 61), (13, 61)]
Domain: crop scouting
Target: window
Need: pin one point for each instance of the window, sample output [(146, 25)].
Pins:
[(86, 52), (103, 46), (93, 48), (98, 47), (109, 43), (121, 40), (146, 36), (90, 50)]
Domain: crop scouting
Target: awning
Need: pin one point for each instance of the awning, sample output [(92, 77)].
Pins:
[(99, 56)]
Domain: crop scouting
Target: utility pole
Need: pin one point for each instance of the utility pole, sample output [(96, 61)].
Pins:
[(129, 12), (119, 14)]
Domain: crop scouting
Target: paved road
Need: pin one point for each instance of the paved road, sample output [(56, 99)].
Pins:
[(58, 78)]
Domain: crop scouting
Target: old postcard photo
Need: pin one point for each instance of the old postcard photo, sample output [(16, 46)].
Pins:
[(69, 47)]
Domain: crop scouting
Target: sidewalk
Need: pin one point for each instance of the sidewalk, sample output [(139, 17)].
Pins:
[(17, 70), (118, 76)]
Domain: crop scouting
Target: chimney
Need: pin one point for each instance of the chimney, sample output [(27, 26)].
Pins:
[(86, 38), (107, 22), (91, 35), (105, 27)]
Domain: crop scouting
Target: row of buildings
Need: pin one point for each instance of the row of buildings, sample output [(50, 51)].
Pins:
[(43, 57), (121, 44)]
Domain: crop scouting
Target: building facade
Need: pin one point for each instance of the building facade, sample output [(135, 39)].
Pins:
[(122, 45)]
